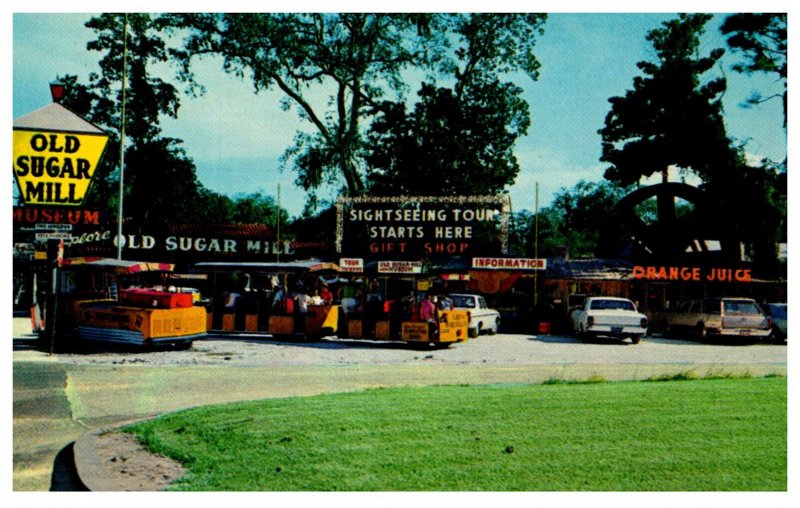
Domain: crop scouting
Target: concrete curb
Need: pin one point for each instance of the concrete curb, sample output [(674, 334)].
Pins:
[(87, 463), (91, 453)]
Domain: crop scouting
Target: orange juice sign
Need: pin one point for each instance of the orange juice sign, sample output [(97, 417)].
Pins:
[(691, 274), (55, 168)]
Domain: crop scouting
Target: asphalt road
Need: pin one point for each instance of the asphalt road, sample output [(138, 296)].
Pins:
[(58, 398)]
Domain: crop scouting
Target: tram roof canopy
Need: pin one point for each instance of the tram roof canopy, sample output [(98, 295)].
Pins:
[(119, 266)]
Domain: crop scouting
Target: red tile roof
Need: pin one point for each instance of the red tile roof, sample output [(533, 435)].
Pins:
[(260, 231)]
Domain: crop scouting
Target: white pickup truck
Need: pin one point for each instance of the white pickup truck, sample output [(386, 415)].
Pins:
[(609, 316), (482, 318)]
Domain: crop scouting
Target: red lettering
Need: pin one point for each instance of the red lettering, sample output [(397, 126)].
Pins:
[(743, 276)]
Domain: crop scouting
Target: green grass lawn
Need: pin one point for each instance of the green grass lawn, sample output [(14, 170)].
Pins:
[(694, 435)]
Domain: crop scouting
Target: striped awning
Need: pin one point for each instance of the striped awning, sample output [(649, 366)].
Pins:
[(119, 266)]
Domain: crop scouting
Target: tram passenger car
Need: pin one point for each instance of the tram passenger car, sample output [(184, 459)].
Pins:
[(264, 298), (119, 302)]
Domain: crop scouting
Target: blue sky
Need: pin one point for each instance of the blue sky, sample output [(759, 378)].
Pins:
[(236, 137)]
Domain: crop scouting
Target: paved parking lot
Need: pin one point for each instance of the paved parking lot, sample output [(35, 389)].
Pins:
[(57, 398)]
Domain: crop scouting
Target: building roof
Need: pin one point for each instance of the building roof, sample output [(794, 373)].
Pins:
[(55, 117), (592, 269), (256, 231)]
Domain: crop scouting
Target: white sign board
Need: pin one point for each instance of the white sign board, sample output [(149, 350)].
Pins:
[(351, 265), (54, 227), (509, 264), (53, 236), (399, 267)]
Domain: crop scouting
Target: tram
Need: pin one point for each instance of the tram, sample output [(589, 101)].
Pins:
[(312, 299), (120, 302), (278, 299)]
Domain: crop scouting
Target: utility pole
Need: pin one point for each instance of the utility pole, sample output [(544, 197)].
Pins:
[(280, 246), (536, 249), (122, 134)]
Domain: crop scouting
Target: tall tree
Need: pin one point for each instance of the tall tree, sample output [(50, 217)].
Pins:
[(338, 68), (330, 66), (85, 102), (156, 168), (459, 139), (673, 114), (761, 40), (450, 144)]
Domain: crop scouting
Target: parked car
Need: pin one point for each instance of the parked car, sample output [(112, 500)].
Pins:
[(721, 317), (777, 313), (610, 317), (482, 318)]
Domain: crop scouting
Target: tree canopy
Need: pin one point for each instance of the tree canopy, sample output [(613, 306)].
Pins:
[(339, 69), (571, 224), (673, 115), (156, 167), (450, 144), (761, 40)]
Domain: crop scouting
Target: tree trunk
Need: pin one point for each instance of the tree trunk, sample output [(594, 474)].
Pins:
[(355, 187)]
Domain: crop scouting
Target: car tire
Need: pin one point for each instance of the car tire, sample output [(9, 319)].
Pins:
[(635, 339), (701, 331), (472, 332)]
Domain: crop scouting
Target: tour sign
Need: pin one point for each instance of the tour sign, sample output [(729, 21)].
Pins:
[(414, 227), (55, 156)]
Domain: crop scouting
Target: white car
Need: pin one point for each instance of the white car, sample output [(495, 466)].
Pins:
[(482, 318), (611, 317)]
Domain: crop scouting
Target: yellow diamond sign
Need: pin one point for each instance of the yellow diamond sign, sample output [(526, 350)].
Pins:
[(55, 156)]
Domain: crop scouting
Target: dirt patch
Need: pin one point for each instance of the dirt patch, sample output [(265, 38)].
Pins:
[(125, 465)]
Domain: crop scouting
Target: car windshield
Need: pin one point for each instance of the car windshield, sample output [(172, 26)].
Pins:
[(611, 305), (463, 302), (740, 307)]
